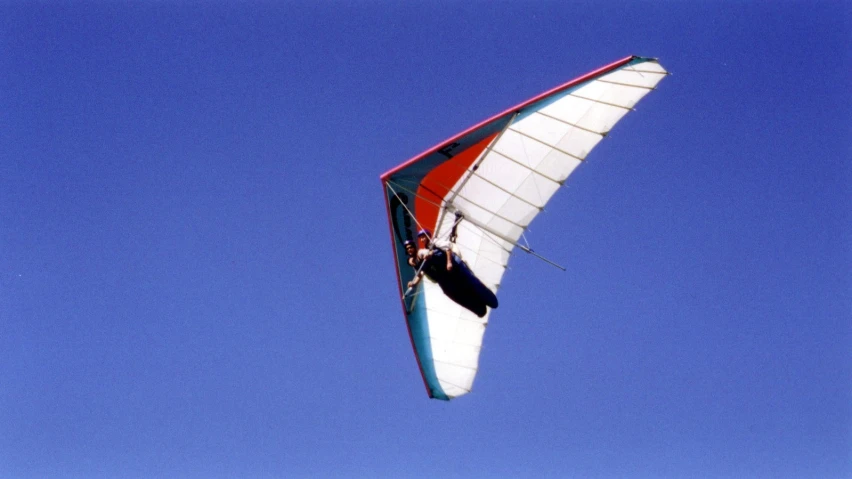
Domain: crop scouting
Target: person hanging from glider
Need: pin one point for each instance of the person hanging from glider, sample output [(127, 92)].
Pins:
[(431, 249), (453, 275), (434, 246), (417, 260)]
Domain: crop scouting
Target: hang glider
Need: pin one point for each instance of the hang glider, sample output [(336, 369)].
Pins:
[(486, 185)]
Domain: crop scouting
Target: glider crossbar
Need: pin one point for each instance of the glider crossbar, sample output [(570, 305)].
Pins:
[(493, 240), (523, 248), (498, 215), (442, 236)]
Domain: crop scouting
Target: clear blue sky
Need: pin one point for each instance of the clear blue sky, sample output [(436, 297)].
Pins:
[(195, 269)]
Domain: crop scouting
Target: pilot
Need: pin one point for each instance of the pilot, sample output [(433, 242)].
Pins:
[(429, 249), (448, 270), (431, 260)]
